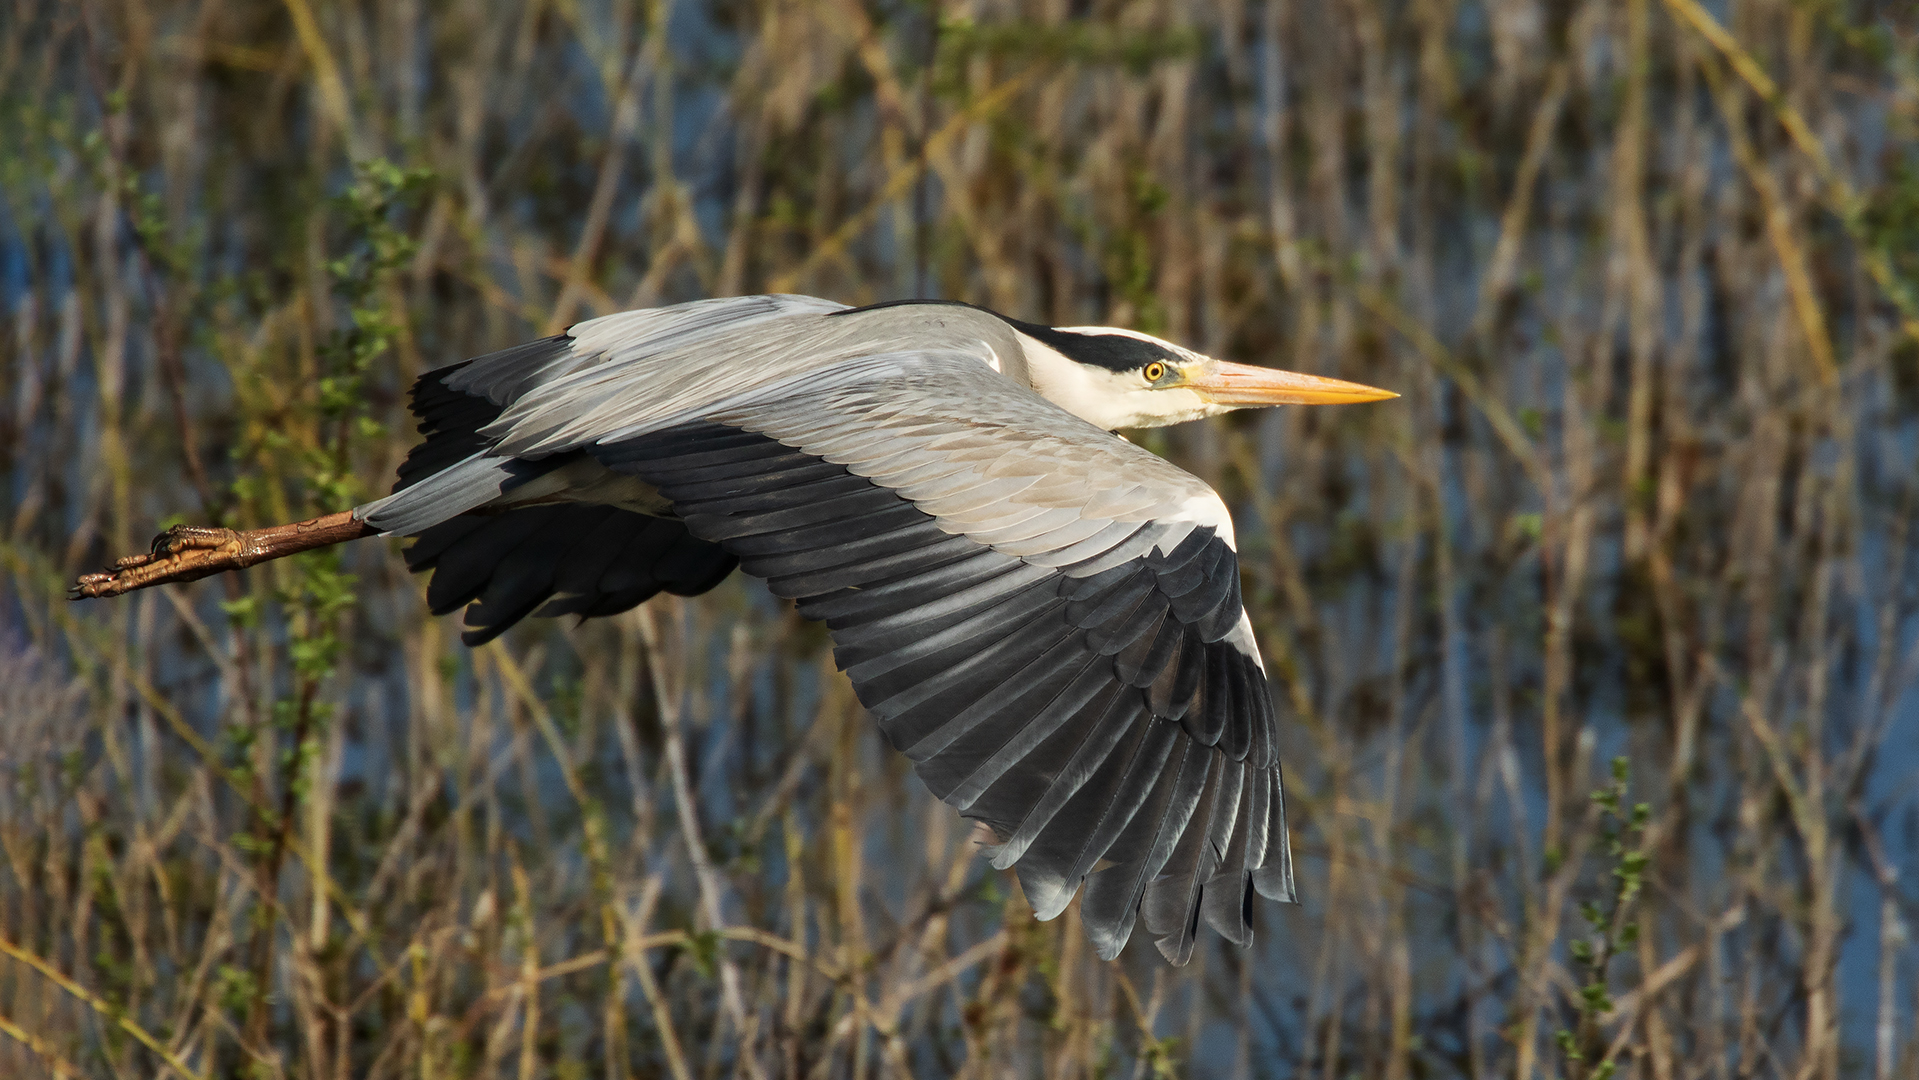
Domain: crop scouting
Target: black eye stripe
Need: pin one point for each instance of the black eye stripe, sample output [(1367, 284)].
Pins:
[(1114, 352), (1119, 353)]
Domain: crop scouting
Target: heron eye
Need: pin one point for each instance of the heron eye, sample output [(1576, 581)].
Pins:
[(1154, 372)]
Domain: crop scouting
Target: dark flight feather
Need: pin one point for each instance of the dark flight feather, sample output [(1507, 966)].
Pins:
[(1013, 686)]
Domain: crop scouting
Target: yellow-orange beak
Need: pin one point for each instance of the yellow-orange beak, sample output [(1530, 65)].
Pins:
[(1243, 384)]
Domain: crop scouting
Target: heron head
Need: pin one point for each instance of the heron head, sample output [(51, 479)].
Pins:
[(1125, 379)]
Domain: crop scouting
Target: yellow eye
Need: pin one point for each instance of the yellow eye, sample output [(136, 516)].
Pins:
[(1154, 372)]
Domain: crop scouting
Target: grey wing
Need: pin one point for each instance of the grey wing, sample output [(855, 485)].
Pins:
[(511, 551), (1045, 619)]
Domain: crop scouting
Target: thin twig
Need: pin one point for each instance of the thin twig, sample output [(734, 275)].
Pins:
[(109, 1013), (668, 700)]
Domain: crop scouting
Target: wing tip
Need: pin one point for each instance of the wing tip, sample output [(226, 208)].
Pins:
[(1276, 883)]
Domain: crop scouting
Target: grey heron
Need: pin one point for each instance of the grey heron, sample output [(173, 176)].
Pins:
[(1044, 617)]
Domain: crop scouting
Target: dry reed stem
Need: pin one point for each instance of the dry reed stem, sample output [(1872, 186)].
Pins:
[(106, 1011), (1841, 196)]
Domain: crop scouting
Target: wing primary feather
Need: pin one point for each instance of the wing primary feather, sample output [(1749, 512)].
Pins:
[(849, 607), (1087, 590), (1170, 904), (1171, 689), (1207, 718), (1169, 899), (801, 583), (1236, 735), (939, 698), (1191, 565), (1035, 675), (943, 611), (1015, 669), (915, 651), (1122, 721), (1141, 794), (1226, 897), (1111, 903), (1048, 845), (1203, 606), (963, 637), (1093, 689), (1259, 791), (990, 726), (720, 502), (1274, 878), (885, 520), (1262, 752), (866, 551)]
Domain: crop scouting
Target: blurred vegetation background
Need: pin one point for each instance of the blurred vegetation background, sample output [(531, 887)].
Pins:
[(1646, 271)]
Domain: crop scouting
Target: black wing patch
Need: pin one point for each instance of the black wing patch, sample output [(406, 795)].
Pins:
[(563, 559), (451, 419), (548, 560), (1102, 724)]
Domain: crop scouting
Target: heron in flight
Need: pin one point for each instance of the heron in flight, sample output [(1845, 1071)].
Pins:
[(1042, 616)]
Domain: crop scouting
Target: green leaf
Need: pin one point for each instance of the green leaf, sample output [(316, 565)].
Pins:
[(703, 949)]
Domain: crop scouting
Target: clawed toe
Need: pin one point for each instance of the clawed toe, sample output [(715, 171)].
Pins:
[(182, 553), (182, 538)]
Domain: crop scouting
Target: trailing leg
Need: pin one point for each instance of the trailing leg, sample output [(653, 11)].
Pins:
[(191, 552)]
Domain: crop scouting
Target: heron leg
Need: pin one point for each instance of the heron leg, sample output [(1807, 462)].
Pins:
[(191, 552)]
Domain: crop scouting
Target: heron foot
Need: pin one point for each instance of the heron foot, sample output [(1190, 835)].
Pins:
[(182, 553), (191, 552)]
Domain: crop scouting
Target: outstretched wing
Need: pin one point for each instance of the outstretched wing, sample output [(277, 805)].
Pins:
[(1044, 618)]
